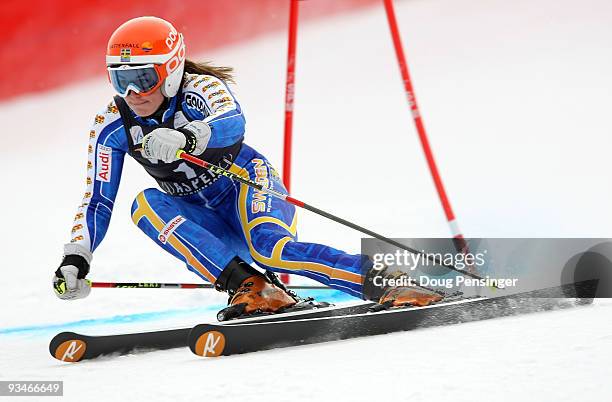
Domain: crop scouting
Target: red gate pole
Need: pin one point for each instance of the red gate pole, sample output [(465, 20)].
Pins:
[(289, 96), (289, 93), (418, 121)]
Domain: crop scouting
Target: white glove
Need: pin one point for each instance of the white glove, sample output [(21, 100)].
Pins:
[(66, 282), (201, 133), (70, 287), (164, 143)]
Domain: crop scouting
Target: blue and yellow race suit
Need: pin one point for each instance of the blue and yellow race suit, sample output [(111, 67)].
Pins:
[(203, 219)]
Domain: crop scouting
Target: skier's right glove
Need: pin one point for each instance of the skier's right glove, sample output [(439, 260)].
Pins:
[(69, 281)]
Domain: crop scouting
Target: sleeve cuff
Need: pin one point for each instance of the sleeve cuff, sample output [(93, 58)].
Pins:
[(77, 249)]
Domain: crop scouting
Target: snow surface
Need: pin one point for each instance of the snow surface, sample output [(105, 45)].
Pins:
[(516, 98)]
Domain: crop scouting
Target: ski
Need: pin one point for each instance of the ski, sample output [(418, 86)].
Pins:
[(306, 326), (212, 340), (74, 347)]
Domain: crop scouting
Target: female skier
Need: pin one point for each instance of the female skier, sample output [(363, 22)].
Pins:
[(217, 227)]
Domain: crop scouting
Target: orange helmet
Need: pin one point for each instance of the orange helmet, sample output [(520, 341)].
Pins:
[(143, 54)]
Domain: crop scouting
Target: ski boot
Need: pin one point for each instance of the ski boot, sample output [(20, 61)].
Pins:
[(252, 293), (395, 289)]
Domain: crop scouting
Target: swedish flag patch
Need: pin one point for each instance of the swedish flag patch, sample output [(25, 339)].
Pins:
[(126, 55)]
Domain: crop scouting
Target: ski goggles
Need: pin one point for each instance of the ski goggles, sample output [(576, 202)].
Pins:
[(143, 79)]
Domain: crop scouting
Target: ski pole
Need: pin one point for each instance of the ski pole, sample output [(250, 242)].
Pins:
[(159, 285), (233, 176)]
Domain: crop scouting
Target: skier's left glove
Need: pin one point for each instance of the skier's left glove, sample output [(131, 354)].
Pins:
[(164, 143), (69, 281)]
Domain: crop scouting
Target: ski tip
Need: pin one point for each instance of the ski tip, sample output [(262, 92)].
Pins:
[(68, 347), (207, 343)]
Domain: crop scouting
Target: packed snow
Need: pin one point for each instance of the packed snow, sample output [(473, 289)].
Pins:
[(515, 97)]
